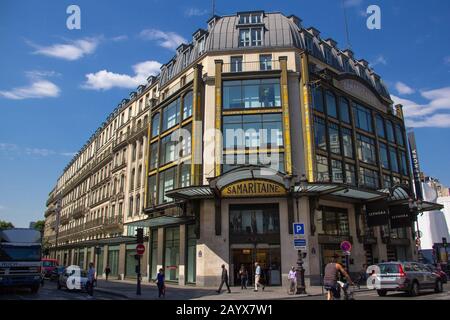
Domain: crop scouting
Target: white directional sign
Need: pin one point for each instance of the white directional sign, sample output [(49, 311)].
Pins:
[(300, 244)]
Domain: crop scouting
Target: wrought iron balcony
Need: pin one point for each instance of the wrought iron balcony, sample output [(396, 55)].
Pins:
[(111, 224)]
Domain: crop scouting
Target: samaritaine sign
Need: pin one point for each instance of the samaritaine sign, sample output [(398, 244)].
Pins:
[(253, 188)]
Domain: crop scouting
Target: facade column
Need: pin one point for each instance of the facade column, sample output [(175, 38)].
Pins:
[(105, 260), (286, 117), (122, 253), (197, 128), (308, 133), (218, 116), (160, 255), (182, 262)]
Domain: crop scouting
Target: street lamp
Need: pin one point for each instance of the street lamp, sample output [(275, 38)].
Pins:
[(414, 207)]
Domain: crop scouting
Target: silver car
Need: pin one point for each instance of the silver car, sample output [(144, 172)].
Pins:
[(410, 277), (66, 281)]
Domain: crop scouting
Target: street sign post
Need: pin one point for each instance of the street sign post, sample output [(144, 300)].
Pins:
[(346, 246), (140, 249)]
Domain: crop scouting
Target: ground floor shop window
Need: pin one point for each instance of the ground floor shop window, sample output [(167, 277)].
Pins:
[(172, 253), (113, 260), (154, 253), (130, 261), (191, 254), (81, 259), (100, 262)]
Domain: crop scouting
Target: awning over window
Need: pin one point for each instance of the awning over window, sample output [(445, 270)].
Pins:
[(338, 190), (191, 193), (160, 221)]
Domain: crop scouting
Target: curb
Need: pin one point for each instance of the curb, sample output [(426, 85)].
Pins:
[(113, 293)]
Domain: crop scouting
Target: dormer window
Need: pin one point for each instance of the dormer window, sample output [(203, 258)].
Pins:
[(201, 45), (250, 37), (250, 18)]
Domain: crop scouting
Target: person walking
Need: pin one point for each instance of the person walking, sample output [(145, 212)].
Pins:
[(243, 275), (292, 277), (91, 279), (224, 280), (107, 272), (258, 273), (160, 281), (330, 279)]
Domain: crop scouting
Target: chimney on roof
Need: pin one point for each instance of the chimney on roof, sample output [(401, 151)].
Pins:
[(399, 111), (348, 53), (331, 42), (314, 31)]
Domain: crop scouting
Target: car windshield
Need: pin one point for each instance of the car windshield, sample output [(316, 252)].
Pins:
[(389, 268), (12, 253)]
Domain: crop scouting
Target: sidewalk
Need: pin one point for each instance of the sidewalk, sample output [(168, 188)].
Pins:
[(149, 291)]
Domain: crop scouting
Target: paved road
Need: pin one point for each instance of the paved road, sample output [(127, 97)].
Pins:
[(372, 295), (50, 292)]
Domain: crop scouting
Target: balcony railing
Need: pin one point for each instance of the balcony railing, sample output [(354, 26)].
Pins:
[(121, 140), (112, 223), (251, 66), (79, 212)]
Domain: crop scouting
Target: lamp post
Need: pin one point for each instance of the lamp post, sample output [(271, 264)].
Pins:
[(300, 271), (414, 207)]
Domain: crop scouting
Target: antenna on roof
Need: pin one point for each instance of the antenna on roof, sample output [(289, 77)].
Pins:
[(347, 34)]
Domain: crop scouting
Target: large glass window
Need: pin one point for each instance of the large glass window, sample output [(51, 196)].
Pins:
[(403, 163), (185, 141), (153, 155), (333, 133), (245, 94), (191, 254), (320, 133), (390, 131), (363, 118), (171, 115), (350, 174), (272, 160), (331, 105), (168, 148), (166, 183), (344, 110), (155, 125), (252, 131), (333, 221), (347, 142), (322, 169), (187, 105), (394, 161), (366, 149), (384, 156), (399, 135), (336, 171), (185, 177), (380, 127), (152, 190), (368, 178), (254, 219), (387, 183), (154, 253), (318, 99), (172, 253)]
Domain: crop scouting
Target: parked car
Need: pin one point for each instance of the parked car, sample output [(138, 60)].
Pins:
[(439, 271), (57, 272), (48, 265), (410, 277), (62, 281)]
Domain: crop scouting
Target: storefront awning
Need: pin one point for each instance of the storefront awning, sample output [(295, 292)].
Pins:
[(338, 190), (160, 221), (191, 193)]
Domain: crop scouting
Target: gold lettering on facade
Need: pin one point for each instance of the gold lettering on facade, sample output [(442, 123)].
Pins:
[(259, 188)]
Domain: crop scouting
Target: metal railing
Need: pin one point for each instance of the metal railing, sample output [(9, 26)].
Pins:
[(251, 66)]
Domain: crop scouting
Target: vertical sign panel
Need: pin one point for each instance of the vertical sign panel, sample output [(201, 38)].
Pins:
[(415, 164)]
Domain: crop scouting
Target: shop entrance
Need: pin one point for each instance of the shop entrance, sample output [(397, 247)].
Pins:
[(268, 258)]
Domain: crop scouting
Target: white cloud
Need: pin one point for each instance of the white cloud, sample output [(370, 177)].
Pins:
[(105, 80), (403, 89), (191, 12), (379, 60), (168, 40), (72, 50), (120, 38), (10, 149), (433, 113), (38, 88)]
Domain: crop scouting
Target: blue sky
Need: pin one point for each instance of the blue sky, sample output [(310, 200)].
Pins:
[(58, 85)]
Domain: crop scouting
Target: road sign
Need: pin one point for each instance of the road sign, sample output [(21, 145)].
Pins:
[(300, 244), (299, 229), (140, 249), (346, 246)]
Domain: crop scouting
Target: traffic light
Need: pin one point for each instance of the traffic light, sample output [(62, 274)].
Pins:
[(140, 235)]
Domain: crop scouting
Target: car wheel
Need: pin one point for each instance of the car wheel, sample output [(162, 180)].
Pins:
[(382, 293), (414, 289), (438, 288)]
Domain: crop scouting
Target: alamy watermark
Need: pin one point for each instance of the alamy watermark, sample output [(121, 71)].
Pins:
[(73, 21)]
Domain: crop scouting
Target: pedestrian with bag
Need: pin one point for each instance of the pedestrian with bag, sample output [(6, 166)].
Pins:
[(292, 278), (258, 275)]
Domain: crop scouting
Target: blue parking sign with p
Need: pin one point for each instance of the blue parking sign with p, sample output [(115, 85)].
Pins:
[(299, 229)]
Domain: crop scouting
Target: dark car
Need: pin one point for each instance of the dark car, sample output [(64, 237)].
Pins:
[(59, 270), (410, 277), (439, 271)]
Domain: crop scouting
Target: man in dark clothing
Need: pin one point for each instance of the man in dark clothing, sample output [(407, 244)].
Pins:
[(224, 280)]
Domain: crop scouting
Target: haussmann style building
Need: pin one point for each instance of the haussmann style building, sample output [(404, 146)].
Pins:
[(310, 135)]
